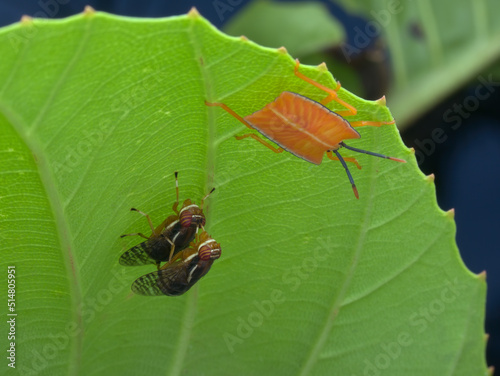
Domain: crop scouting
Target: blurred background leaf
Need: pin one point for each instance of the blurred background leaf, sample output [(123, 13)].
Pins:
[(304, 28)]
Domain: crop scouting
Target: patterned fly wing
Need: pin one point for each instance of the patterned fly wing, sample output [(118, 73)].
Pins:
[(171, 281)]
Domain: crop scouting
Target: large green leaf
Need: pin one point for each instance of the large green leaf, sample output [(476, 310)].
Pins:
[(98, 111)]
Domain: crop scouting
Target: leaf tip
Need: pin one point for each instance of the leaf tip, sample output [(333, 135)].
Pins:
[(88, 10), (193, 13), (243, 38), (491, 370), (451, 213), (381, 101), (482, 275), (26, 20), (412, 150), (282, 50), (430, 178)]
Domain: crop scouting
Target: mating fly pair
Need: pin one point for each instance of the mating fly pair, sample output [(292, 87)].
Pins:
[(188, 255)]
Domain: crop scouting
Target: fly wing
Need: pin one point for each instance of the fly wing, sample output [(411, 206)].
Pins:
[(169, 281), (155, 249), (137, 255)]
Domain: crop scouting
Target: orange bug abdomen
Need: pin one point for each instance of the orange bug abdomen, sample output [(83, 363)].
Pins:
[(302, 126)]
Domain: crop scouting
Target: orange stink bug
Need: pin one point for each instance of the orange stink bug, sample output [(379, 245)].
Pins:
[(307, 128)]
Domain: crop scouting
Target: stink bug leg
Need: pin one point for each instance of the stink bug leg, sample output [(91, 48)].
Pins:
[(371, 153), (226, 108), (238, 117), (332, 93), (257, 138), (330, 155), (355, 190), (333, 96)]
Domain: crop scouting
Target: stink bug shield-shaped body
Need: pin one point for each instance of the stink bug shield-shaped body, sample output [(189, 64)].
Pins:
[(183, 271), (307, 128), (172, 236)]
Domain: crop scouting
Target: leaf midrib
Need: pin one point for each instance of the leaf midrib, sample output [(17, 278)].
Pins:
[(180, 353)]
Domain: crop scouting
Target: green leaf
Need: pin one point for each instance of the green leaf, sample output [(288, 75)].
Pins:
[(98, 111), (435, 47)]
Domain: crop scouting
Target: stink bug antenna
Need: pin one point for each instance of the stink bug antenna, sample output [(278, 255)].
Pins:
[(370, 153), (204, 198), (348, 173)]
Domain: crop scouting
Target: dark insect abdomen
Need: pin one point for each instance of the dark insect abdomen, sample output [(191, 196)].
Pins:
[(159, 248), (196, 269), (178, 285), (173, 288)]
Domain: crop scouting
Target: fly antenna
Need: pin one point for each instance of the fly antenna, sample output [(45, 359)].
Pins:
[(174, 207), (204, 198), (176, 185)]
